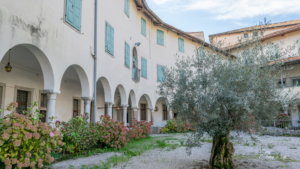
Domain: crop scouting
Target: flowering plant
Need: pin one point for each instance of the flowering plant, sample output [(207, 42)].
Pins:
[(140, 129), (113, 133), (174, 126), (79, 134), (282, 120), (25, 141)]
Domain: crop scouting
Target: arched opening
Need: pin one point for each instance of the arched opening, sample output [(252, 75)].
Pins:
[(30, 76), (144, 107), (105, 99), (162, 112), (74, 88), (120, 102), (135, 69)]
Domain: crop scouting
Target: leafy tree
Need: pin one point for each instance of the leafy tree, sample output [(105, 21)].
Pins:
[(219, 93)]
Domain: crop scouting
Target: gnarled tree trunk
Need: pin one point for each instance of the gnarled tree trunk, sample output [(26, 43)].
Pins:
[(222, 154)]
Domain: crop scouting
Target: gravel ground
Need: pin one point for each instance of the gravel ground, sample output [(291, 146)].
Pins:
[(77, 163), (249, 155)]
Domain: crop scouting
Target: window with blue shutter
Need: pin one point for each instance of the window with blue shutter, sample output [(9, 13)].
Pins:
[(160, 37), (126, 7), (73, 13), (144, 27), (298, 49), (109, 45), (127, 54), (144, 67), (181, 45), (273, 51), (160, 73)]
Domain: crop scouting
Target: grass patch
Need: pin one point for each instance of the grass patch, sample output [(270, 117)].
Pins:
[(270, 146), (208, 140)]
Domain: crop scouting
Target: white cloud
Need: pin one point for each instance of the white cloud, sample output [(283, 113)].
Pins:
[(234, 9)]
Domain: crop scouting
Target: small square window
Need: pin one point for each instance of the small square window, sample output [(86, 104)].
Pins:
[(255, 34), (279, 83), (296, 82), (246, 35)]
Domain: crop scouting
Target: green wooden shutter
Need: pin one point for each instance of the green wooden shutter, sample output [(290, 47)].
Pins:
[(126, 7), (229, 61), (144, 27), (181, 45), (298, 42), (112, 32), (77, 14), (107, 43), (160, 73), (144, 67), (127, 55), (160, 37), (70, 11)]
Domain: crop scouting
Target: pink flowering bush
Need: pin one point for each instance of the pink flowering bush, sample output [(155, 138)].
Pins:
[(140, 129), (177, 126), (79, 134), (27, 142), (113, 133)]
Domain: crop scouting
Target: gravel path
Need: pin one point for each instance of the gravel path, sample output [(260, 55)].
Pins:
[(260, 151)]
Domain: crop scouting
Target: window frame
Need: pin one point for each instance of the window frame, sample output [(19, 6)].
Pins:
[(246, 35), (127, 14), (142, 68), (67, 23), (145, 111), (255, 34), (180, 44), (106, 50), (157, 72), (165, 112), (157, 37), (127, 66), (142, 27)]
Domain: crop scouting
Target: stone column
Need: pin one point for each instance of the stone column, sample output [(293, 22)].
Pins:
[(125, 114), (87, 107), (152, 116), (51, 99), (170, 114), (109, 109), (135, 113)]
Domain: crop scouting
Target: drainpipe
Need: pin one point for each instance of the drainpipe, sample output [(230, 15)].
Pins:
[(95, 61)]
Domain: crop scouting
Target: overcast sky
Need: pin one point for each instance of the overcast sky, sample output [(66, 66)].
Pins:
[(215, 16)]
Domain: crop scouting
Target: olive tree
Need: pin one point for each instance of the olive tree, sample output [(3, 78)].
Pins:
[(219, 93)]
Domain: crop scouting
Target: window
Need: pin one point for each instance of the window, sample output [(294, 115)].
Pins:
[(22, 99), (279, 83), (43, 100), (165, 112), (296, 82), (273, 51), (245, 35), (298, 42), (160, 73), (73, 13), (181, 45), (109, 46), (126, 7), (75, 108), (144, 27), (143, 112), (255, 34), (43, 112), (160, 37), (144, 67), (127, 55)]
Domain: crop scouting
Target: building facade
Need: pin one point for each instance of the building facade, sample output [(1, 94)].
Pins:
[(50, 46), (284, 35)]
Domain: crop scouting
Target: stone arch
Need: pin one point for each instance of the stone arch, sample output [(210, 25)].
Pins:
[(108, 96), (48, 74), (84, 81), (149, 102), (123, 95), (133, 99), (164, 100)]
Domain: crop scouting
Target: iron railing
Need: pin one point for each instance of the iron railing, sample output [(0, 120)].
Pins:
[(136, 74)]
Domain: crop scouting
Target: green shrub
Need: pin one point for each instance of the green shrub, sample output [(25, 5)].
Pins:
[(79, 134), (176, 126), (26, 141), (113, 133)]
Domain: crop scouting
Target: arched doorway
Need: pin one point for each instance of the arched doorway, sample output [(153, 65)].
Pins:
[(162, 112)]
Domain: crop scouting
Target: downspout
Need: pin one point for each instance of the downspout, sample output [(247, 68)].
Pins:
[(95, 61)]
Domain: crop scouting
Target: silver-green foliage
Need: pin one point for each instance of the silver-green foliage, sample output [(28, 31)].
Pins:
[(219, 96)]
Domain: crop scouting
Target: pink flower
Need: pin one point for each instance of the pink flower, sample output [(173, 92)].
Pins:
[(5, 136), (17, 143), (51, 134)]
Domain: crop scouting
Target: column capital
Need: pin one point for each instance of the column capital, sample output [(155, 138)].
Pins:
[(151, 110), (124, 105), (87, 98), (51, 91), (109, 103)]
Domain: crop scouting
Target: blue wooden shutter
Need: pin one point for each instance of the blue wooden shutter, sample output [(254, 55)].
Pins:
[(107, 44), (70, 11), (144, 27), (181, 45), (298, 42), (112, 32), (126, 7), (160, 73), (160, 37), (77, 14), (144, 67), (127, 55)]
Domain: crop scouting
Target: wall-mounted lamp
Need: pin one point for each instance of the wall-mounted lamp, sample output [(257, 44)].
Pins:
[(8, 67), (137, 44)]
